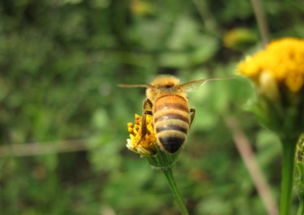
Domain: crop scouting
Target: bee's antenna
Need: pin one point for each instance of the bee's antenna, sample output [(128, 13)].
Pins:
[(135, 85)]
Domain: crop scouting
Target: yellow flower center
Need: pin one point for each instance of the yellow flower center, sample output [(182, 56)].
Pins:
[(143, 144)]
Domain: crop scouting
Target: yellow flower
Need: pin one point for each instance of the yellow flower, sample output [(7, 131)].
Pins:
[(140, 7), (239, 38), (142, 144), (284, 61)]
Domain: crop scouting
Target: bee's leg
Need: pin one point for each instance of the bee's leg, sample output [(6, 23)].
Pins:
[(144, 122), (147, 106), (147, 111), (192, 115)]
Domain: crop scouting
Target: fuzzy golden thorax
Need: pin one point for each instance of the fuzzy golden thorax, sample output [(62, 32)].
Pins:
[(164, 85)]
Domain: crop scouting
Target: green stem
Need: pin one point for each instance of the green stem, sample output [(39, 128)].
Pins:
[(261, 20), (169, 175), (289, 147), (301, 208)]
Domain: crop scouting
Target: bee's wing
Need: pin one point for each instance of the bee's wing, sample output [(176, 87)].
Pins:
[(190, 85), (197, 83)]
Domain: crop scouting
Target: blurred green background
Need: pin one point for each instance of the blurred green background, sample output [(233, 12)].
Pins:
[(63, 121)]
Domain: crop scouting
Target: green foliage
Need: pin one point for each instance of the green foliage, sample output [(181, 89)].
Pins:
[(60, 62)]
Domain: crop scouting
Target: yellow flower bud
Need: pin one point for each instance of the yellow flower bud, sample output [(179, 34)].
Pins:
[(268, 86)]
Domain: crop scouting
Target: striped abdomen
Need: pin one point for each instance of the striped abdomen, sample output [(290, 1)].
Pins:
[(171, 121)]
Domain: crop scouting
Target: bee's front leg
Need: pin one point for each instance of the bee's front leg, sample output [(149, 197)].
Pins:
[(192, 115), (147, 110)]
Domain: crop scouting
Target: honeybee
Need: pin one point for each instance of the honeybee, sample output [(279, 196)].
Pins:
[(166, 100)]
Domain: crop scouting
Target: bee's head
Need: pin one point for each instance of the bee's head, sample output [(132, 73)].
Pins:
[(165, 82)]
